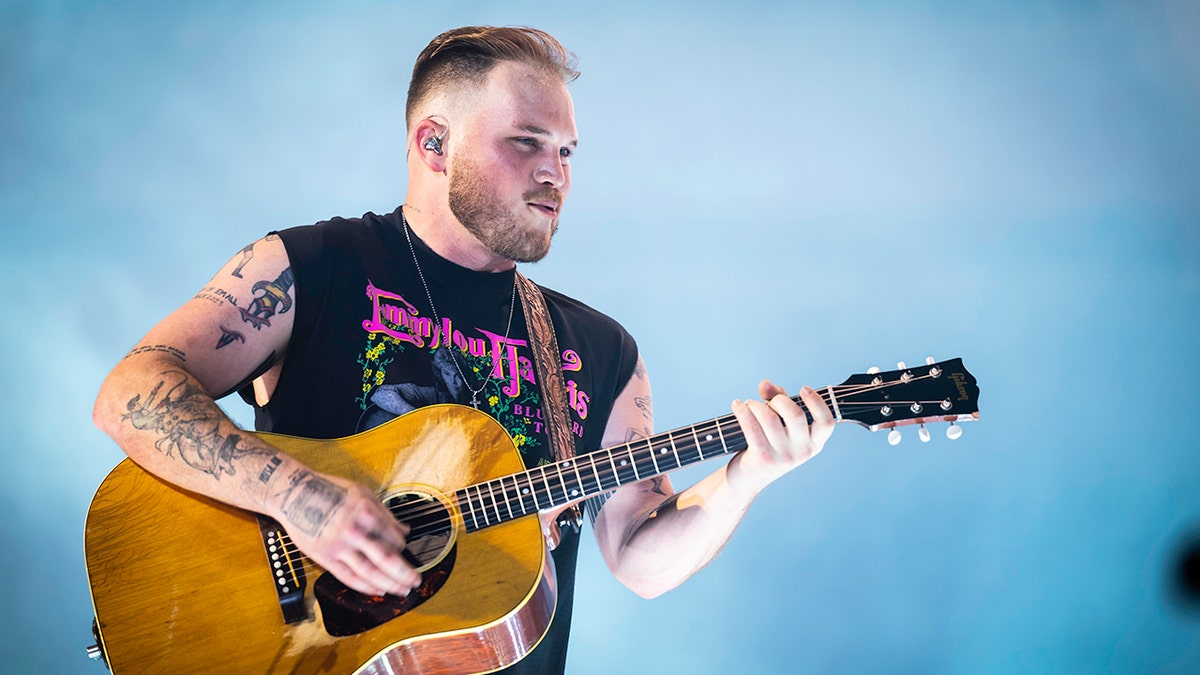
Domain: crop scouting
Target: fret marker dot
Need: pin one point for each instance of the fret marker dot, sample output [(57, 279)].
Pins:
[(525, 491), (624, 462), (663, 451), (574, 492), (708, 437)]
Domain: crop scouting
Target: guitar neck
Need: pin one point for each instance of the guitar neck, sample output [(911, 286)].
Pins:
[(558, 484), (935, 392)]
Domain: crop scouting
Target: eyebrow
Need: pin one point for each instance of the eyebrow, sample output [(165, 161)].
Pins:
[(534, 129)]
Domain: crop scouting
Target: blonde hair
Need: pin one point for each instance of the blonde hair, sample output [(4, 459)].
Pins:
[(465, 56)]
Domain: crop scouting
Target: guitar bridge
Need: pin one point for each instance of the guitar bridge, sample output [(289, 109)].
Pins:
[(286, 569)]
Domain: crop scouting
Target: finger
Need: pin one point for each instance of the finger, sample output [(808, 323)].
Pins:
[(773, 429), (823, 419), (379, 551), (756, 439), (769, 390), (347, 575)]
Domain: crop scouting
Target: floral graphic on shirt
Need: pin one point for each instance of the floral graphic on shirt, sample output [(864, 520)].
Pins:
[(380, 353)]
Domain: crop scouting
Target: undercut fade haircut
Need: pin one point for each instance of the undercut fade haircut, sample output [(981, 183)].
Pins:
[(466, 55)]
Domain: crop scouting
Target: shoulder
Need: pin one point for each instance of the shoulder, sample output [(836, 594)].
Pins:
[(336, 234), (576, 312)]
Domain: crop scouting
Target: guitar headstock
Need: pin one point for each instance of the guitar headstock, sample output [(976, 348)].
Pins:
[(934, 392)]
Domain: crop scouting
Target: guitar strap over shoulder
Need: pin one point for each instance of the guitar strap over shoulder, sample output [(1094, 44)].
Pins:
[(547, 362)]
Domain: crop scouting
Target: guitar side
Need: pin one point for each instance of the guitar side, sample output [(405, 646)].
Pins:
[(182, 583)]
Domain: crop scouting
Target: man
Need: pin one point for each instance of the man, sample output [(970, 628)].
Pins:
[(336, 328)]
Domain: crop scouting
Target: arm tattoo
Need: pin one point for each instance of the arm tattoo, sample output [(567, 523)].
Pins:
[(247, 255), (646, 405), (228, 337), (274, 300), (217, 296), (163, 349), (189, 426), (632, 434), (656, 486), (309, 501)]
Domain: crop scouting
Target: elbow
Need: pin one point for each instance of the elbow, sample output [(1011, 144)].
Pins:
[(648, 583), (104, 414)]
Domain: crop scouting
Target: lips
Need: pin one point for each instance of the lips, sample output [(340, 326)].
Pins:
[(550, 208), (548, 201)]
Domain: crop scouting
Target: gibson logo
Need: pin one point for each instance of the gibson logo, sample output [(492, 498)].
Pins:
[(960, 382)]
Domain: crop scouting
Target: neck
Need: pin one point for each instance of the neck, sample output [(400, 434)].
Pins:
[(442, 232)]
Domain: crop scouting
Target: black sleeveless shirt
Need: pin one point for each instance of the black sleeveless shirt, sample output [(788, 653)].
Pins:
[(366, 347)]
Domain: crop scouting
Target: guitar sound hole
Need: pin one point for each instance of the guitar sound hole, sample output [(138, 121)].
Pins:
[(430, 549), (431, 531)]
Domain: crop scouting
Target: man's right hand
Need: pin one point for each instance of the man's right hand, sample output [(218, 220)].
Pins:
[(344, 528)]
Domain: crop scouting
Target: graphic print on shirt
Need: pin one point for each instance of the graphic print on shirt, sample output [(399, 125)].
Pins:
[(495, 362)]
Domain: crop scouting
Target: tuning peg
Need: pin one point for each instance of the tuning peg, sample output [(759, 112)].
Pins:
[(953, 431), (872, 370), (900, 366), (894, 437), (923, 434), (929, 361)]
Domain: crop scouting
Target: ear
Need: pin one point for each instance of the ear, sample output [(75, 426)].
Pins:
[(426, 130)]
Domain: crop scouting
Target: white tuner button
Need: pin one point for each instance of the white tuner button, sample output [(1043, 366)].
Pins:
[(894, 437), (872, 370), (923, 434), (953, 431), (900, 366), (929, 361)]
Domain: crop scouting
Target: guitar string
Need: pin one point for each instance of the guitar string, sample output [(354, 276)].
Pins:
[(596, 462)]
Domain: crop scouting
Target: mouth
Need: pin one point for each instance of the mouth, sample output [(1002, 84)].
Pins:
[(549, 208)]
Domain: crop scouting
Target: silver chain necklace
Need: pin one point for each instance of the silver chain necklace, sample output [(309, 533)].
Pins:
[(436, 317)]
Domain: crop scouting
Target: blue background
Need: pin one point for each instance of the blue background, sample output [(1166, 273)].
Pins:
[(786, 190)]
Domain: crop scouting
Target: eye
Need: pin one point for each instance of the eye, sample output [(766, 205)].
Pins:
[(566, 153), (530, 143)]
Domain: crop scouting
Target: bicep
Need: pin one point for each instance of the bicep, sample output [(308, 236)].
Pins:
[(632, 418), (236, 325)]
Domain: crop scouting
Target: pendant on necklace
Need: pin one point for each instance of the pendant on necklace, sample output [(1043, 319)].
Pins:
[(475, 401)]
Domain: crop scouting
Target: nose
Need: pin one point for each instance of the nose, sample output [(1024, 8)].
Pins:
[(552, 172)]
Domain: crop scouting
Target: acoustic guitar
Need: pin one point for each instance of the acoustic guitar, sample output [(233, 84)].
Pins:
[(184, 584)]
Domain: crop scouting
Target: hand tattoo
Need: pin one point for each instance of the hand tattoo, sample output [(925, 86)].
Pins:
[(309, 501)]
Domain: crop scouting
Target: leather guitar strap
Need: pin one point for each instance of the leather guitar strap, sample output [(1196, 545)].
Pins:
[(547, 362)]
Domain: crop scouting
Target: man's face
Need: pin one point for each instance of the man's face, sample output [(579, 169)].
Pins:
[(509, 162)]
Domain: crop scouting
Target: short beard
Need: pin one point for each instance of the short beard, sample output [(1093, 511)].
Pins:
[(480, 212)]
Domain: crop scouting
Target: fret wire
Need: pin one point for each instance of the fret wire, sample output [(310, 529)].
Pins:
[(465, 495), (560, 470), (721, 434), (495, 502), (653, 459), (507, 501), (696, 437), (482, 505), (596, 473), (613, 462), (578, 478), (532, 490), (674, 450)]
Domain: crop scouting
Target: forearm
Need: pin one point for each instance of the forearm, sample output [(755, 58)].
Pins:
[(683, 533), (168, 423)]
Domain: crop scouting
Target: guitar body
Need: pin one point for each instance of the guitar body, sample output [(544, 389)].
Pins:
[(183, 584)]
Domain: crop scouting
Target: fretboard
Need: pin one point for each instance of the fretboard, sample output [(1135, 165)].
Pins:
[(558, 484)]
